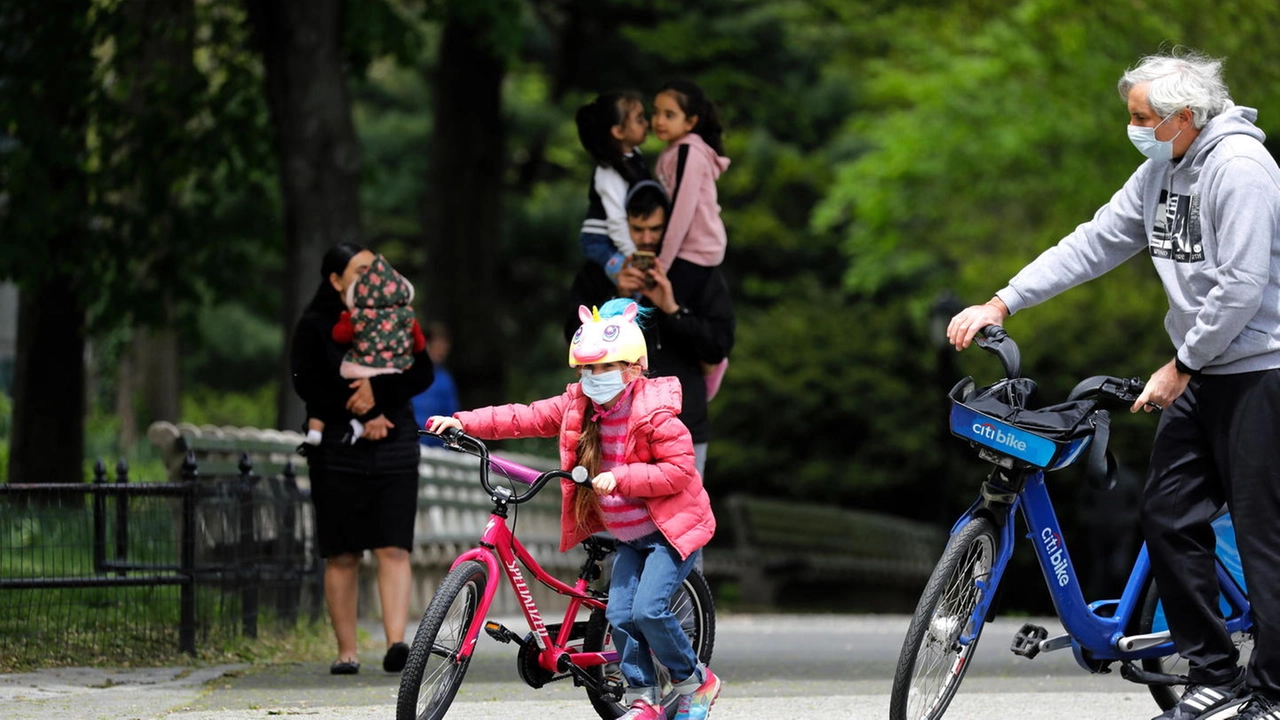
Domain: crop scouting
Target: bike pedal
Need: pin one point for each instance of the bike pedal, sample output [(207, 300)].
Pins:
[(500, 633), (612, 689), (1026, 642)]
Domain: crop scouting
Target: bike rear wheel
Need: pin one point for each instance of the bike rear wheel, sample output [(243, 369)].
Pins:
[(1151, 619), (692, 604), (933, 661), (434, 671)]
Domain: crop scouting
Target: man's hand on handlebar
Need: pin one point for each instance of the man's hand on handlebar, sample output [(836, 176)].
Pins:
[(966, 324), (1165, 385)]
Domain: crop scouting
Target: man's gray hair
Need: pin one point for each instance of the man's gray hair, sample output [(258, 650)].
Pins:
[(1181, 78)]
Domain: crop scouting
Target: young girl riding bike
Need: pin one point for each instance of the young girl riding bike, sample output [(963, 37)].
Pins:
[(645, 491)]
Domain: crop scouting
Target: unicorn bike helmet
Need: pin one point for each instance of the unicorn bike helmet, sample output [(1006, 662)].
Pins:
[(609, 334)]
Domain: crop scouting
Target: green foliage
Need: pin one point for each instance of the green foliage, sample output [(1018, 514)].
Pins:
[(990, 132), (882, 153), (817, 406), (253, 408), (238, 348), (6, 415)]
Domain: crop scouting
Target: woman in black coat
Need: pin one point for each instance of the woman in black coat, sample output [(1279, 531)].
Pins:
[(365, 493)]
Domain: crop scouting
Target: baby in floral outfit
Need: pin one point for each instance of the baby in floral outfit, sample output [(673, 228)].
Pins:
[(380, 326)]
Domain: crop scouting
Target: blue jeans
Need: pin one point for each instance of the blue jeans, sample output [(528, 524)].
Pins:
[(645, 574)]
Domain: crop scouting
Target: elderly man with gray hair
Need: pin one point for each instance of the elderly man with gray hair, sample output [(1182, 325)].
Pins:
[(1205, 206)]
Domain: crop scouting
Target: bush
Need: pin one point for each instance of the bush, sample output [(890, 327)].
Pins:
[(207, 406)]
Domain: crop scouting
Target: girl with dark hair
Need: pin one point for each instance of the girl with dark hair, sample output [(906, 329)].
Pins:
[(365, 493), (688, 122), (611, 128)]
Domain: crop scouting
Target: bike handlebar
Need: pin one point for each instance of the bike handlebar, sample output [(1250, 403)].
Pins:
[(1107, 389), (1120, 391), (996, 341), (459, 441)]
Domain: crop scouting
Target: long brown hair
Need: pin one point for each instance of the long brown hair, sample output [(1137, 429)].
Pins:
[(590, 451)]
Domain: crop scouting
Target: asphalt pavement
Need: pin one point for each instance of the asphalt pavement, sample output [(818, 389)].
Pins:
[(790, 667)]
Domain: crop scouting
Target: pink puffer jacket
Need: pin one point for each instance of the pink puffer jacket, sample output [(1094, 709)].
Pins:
[(659, 467)]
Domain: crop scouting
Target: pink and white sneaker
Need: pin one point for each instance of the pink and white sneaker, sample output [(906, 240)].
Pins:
[(697, 704), (643, 710)]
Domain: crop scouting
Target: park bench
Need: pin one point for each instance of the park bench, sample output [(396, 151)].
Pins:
[(874, 560), (452, 507)]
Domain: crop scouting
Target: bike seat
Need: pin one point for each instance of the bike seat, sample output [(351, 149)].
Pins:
[(607, 543)]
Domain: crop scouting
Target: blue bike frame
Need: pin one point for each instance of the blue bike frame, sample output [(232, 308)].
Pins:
[(1094, 636)]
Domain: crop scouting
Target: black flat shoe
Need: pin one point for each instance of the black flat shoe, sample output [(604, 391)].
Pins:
[(344, 667), (395, 658)]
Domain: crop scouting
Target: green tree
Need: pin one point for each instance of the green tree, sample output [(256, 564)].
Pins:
[(316, 150), (988, 132)]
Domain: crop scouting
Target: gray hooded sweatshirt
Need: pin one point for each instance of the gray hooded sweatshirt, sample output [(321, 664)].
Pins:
[(1211, 224)]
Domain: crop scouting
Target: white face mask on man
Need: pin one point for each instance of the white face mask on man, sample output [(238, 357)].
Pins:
[(1144, 138)]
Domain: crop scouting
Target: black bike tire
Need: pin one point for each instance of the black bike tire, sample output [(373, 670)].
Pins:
[(467, 580), (1166, 696), (956, 557), (701, 614)]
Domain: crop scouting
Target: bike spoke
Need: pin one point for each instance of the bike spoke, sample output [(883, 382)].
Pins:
[(942, 656)]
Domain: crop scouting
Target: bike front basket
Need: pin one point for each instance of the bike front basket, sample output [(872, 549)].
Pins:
[(994, 417)]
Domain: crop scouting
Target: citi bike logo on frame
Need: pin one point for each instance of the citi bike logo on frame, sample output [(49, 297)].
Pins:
[(1057, 554)]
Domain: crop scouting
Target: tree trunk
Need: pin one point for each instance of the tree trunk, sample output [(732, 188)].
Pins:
[(160, 66), (45, 83), (316, 147), (156, 353), (462, 211), (47, 442)]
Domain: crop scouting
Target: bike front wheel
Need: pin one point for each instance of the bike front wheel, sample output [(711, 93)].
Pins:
[(435, 668), (933, 658), (692, 604)]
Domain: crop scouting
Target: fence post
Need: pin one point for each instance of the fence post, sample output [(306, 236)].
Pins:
[(246, 565), (122, 516), (292, 562), (99, 518), (187, 623)]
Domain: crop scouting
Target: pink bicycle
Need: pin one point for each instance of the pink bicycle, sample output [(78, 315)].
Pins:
[(581, 650)]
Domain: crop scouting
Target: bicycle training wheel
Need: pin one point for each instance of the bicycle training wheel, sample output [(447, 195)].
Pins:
[(933, 661), (692, 603), (1150, 619), (433, 672)]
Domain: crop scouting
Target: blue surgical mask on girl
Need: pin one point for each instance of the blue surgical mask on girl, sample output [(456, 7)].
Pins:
[(602, 387), (1144, 138)]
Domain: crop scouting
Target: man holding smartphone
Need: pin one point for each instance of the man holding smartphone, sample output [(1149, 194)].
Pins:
[(693, 321)]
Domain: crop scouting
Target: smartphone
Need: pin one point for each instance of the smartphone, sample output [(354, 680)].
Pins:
[(644, 261)]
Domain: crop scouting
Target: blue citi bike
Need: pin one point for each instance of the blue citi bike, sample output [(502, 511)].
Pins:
[(1022, 444)]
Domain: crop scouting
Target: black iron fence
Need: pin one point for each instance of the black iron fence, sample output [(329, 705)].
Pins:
[(120, 569)]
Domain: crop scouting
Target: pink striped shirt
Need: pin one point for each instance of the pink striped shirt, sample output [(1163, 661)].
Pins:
[(625, 518)]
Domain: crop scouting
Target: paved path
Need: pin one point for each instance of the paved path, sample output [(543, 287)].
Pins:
[(830, 667)]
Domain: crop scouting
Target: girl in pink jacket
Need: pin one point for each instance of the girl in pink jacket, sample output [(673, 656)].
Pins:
[(689, 124), (645, 491)]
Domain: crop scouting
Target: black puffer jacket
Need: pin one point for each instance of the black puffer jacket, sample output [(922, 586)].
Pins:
[(315, 358), (702, 331)]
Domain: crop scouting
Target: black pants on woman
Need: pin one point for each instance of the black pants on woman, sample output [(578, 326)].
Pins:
[(1219, 442)]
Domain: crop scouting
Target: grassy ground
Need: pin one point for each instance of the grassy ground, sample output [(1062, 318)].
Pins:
[(308, 642)]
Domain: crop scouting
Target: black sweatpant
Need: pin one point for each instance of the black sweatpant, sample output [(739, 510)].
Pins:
[(1218, 442)]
